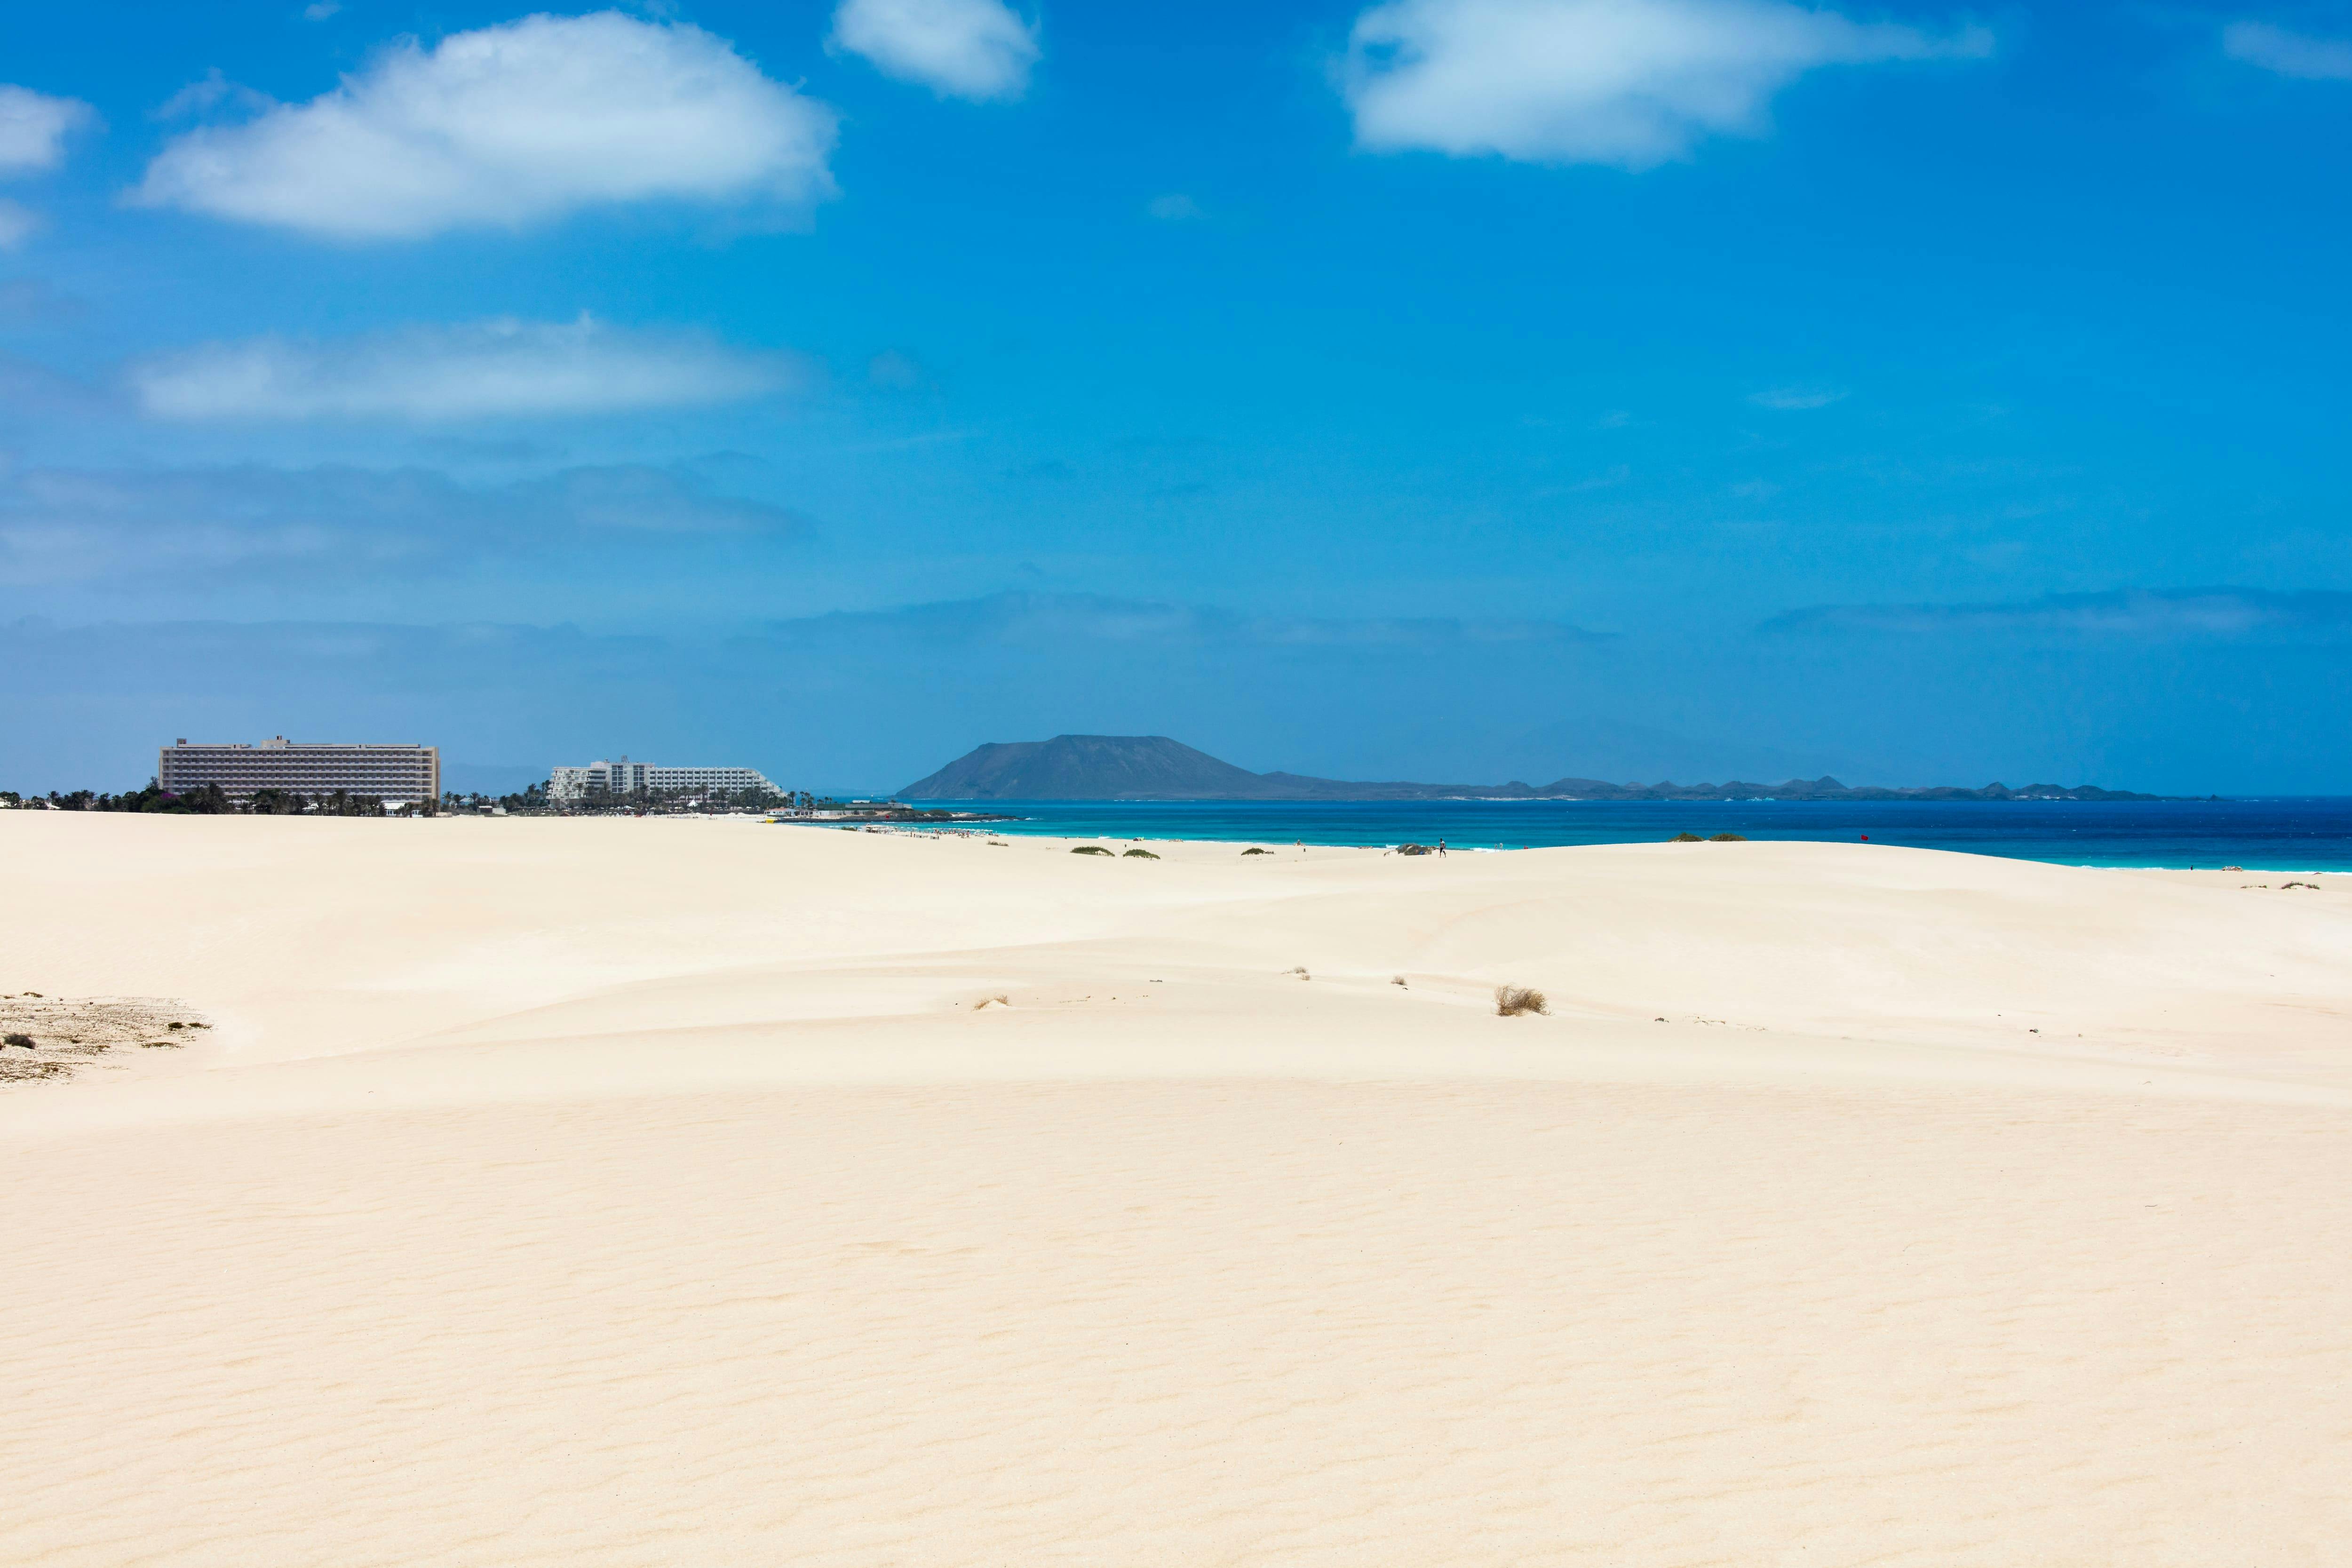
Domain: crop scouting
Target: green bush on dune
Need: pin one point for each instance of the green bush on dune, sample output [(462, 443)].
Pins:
[(1090, 849), (1142, 855)]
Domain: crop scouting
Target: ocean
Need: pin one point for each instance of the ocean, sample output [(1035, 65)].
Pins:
[(2308, 833)]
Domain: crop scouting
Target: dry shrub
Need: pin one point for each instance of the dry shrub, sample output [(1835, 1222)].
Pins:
[(1685, 838), (1253, 850), (1728, 838), (1510, 1001)]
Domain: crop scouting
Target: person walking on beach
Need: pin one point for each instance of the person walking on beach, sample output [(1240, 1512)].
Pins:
[(1441, 848)]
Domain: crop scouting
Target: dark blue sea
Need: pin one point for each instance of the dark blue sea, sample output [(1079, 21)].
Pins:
[(2275, 835)]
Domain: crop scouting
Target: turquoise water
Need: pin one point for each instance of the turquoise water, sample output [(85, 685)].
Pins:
[(2281, 835)]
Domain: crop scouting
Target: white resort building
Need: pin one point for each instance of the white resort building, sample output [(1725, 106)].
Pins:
[(392, 774), (625, 778)]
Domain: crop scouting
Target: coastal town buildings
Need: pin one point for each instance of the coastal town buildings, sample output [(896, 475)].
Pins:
[(611, 780), (390, 773)]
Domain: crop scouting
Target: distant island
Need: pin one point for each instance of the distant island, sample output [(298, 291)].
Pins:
[(1153, 768)]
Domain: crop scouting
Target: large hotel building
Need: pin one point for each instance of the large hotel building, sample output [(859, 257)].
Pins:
[(610, 779), (387, 773)]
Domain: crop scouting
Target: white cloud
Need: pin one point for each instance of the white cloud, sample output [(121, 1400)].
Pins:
[(1173, 208), (2289, 54), (1629, 82), (34, 127), (958, 49), (499, 369), (1790, 399), (19, 223), (508, 125)]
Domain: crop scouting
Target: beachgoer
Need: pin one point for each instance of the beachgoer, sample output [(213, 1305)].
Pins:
[(1441, 847)]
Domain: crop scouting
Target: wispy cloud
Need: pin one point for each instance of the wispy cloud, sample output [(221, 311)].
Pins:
[(1061, 620), (1793, 399), (976, 50), (2125, 615), (1630, 82), (212, 91), (19, 223), (499, 369), (82, 525), (1609, 479), (2288, 54), (509, 125), (30, 389), (32, 299)]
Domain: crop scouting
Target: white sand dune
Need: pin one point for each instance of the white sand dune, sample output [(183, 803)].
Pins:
[(656, 1192)]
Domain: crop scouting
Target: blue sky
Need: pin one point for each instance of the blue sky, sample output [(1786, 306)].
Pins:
[(1460, 389)]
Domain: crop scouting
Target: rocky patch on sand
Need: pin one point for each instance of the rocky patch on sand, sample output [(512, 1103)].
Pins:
[(43, 1036)]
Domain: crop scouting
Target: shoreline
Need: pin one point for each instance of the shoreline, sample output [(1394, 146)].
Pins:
[(1048, 836)]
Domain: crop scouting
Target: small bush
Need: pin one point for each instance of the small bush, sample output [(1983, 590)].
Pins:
[(1399, 980), (175, 1025), (1255, 850), (1728, 838), (23, 1040), (1685, 838), (1142, 855), (1090, 849), (1510, 1001), (1300, 971)]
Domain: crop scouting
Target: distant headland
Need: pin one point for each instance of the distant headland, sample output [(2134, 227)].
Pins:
[(1153, 768)]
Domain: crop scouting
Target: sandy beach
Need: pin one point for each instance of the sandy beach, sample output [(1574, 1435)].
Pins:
[(535, 1191)]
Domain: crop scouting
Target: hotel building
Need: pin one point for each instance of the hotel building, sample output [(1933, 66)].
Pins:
[(609, 779), (396, 772)]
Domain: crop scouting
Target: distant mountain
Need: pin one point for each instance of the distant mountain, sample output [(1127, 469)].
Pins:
[(1090, 767), (1153, 768)]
